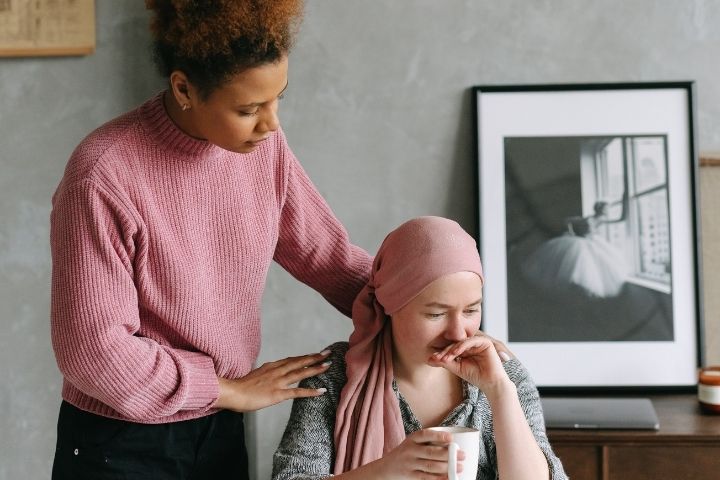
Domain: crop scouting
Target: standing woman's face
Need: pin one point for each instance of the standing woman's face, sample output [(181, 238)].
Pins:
[(241, 113)]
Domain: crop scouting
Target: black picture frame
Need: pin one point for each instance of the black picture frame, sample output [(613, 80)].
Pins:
[(588, 227)]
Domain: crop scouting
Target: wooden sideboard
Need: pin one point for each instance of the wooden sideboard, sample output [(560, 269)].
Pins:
[(686, 447)]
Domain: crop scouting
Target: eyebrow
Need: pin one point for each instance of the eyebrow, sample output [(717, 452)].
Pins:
[(442, 305), (257, 104)]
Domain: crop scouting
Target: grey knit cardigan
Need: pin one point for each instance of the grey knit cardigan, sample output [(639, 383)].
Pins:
[(307, 448)]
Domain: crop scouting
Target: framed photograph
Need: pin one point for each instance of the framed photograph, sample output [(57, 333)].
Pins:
[(588, 231), (46, 27)]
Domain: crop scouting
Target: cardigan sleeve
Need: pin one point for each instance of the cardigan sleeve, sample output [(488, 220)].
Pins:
[(313, 246), (95, 315), (307, 448), (530, 403)]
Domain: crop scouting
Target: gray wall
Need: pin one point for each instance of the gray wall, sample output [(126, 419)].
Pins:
[(378, 110)]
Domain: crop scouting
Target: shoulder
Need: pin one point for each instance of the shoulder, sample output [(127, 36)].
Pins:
[(103, 147), (337, 357), (517, 373), (522, 379), (516, 370), (526, 389), (338, 351), (334, 378)]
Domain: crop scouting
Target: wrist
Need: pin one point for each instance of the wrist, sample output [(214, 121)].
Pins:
[(374, 470), (226, 395), (500, 391)]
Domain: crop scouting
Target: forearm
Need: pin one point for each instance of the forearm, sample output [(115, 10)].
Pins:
[(135, 376), (518, 455), (95, 313)]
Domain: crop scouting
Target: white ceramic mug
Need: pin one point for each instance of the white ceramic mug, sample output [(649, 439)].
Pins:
[(465, 439)]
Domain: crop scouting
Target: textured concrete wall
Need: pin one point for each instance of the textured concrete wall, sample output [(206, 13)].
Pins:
[(378, 111), (47, 105)]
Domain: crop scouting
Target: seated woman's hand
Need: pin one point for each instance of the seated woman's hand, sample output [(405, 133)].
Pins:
[(476, 360), (423, 455), (271, 383), (501, 348)]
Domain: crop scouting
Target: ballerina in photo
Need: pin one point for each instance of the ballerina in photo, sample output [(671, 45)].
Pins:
[(582, 258)]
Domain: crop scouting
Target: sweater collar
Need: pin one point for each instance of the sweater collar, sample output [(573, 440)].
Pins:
[(168, 136)]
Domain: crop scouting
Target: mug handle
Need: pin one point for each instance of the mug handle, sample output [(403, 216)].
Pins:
[(452, 461)]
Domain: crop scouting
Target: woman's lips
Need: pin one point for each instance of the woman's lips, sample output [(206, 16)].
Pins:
[(257, 142)]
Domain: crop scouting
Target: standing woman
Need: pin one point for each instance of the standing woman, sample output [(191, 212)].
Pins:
[(162, 232)]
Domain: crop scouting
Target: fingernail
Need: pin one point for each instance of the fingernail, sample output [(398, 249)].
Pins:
[(325, 353), (326, 364), (505, 357), (321, 390)]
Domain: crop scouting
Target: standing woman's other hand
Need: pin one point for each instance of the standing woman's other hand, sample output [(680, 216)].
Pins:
[(272, 383)]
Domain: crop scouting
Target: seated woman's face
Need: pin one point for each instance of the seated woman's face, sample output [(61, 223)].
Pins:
[(445, 312)]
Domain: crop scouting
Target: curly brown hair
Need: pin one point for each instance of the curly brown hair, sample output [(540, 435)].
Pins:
[(211, 40)]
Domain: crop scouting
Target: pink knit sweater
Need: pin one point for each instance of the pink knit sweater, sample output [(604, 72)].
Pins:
[(161, 245)]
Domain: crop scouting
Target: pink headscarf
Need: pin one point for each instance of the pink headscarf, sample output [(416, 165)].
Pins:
[(368, 422)]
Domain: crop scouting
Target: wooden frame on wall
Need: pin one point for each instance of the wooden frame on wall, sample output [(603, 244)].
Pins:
[(30, 28), (709, 159), (618, 305)]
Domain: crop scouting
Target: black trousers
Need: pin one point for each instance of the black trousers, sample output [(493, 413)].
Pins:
[(91, 447)]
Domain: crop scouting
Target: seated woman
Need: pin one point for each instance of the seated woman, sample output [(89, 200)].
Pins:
[(415, 360)]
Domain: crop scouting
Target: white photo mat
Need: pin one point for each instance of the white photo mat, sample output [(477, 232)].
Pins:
[(578, 111)]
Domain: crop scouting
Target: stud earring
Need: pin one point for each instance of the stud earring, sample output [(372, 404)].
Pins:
[(185, 107)]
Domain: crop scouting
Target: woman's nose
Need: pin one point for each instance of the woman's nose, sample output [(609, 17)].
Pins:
[(455, 331), (269, 121)]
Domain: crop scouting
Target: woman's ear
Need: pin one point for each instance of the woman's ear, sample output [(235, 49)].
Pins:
[(182, 90)]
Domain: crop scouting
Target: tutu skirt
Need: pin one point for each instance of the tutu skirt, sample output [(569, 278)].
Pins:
[(569, 261)]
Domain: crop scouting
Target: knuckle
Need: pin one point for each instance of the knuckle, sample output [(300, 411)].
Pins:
[(319, 367), (301, 392), (269, 365), (292, 393), (431, 451)]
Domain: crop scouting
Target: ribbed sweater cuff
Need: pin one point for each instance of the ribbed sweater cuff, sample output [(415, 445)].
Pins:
[(202, 380)]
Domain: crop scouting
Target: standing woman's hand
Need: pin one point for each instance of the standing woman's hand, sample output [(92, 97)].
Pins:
[(271, 383)]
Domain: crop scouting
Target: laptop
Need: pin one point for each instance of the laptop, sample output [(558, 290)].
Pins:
[(600, 413)]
